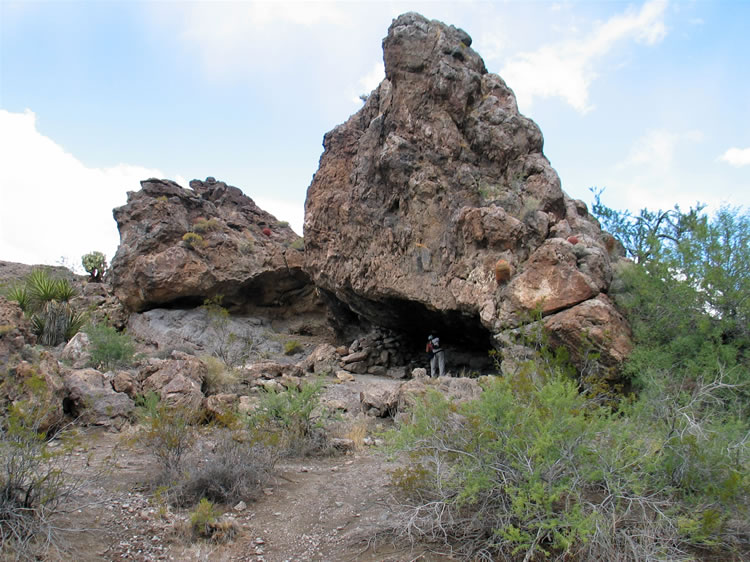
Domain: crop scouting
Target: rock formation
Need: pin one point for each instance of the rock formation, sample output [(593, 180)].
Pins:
[(422, 193), (181, 246)]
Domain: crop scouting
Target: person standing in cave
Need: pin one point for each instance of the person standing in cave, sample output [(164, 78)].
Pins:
[(437, 356)]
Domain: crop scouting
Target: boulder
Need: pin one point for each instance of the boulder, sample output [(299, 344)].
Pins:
[(270, 370), (76, 351), (323, 359), (177, 380), (457, 390), (182, 245), (91, 399), (434, 207), (218, 405), (15, 330), (592, 326), (44, 400), (123, 381), (379, 401)]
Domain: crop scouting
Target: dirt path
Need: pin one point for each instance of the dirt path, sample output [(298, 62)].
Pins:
[(323, 509)]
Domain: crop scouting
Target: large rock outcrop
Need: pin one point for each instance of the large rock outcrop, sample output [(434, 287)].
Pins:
[(434, 207), (181, 246)]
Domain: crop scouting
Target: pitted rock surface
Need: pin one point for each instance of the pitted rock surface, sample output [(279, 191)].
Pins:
[(436, 179), (232, 248)]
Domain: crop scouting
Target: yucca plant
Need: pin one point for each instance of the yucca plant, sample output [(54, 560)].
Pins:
[(46, 300), (20, 295)]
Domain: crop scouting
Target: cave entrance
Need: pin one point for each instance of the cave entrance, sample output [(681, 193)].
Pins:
[(466, 341)]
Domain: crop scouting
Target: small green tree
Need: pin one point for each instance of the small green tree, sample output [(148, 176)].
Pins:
[(95, 264)]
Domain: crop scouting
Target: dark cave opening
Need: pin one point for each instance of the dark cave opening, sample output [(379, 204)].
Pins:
[(466, 341)]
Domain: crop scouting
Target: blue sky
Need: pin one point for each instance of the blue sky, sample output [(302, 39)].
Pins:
[(650, 100)]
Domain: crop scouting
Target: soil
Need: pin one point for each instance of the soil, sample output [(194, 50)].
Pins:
[(332, 508)]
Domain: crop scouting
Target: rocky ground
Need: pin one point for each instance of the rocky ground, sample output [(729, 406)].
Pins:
[(333, 508)]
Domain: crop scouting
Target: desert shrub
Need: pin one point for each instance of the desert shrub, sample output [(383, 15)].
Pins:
[(246, 246), (45, 300), (298, 244), (231, 348), (36, 484), (293, 419), (95, 264), (528, 471), (219, 377), (206, 524), (194, 240), (205, 514), (109, 348), (205, 225), (167, 434), (283, 224), (292, 347), (236, 469)]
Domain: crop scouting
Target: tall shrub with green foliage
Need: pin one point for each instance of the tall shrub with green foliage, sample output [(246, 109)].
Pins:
[(529, 471), (686, 295)]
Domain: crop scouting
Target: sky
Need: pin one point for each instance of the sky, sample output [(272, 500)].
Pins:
[(649, 100)]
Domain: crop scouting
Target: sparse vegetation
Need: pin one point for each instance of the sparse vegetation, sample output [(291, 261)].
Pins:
[(298, 244), (203, 225), (36, 486), (231, 348)]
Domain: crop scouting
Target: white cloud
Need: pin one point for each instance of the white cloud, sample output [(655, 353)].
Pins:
[(51, 204), (369, 81), (232, 35), (566, 69), (736, 157), (657, 148), (282, 209)]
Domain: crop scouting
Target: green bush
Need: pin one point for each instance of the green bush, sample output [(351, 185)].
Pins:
[(194, 240), (109, 348), (95, 264), (528, 471), (292, 347), (293, 419), (167, 434)]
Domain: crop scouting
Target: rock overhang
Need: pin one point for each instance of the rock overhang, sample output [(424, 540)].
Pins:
[(433, 183)]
